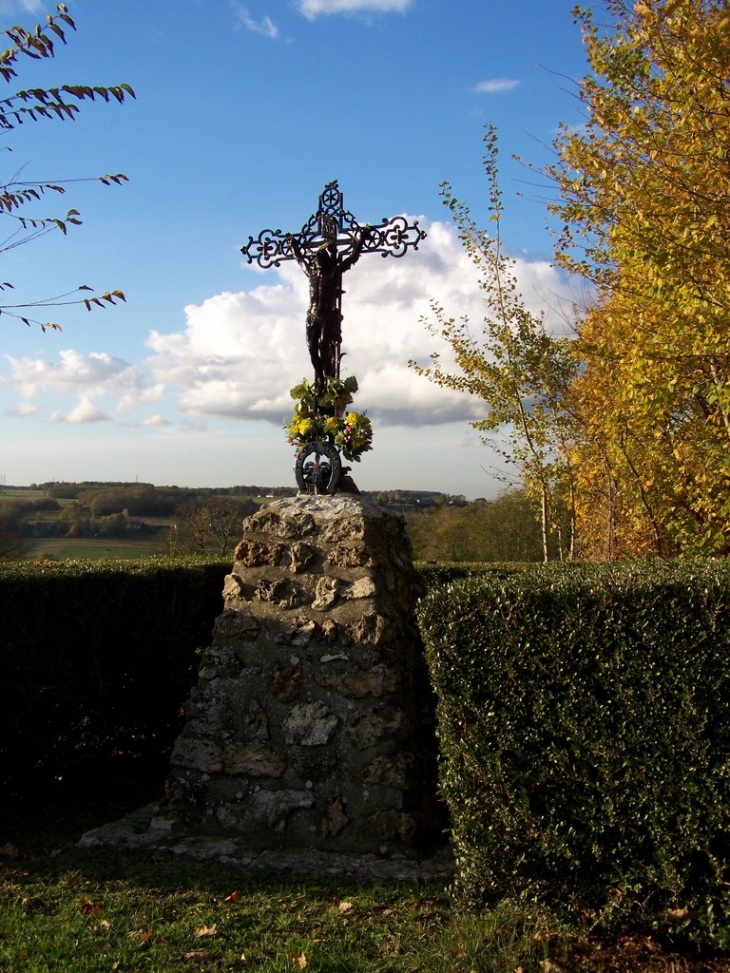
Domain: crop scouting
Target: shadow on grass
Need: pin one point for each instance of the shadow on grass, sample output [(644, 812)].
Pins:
[(85, 910)]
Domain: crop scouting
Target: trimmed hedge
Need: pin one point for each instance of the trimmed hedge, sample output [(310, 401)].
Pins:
[(584, 723), (97, 658)]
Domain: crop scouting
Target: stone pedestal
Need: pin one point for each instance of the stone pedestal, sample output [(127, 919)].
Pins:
[(312, 724)]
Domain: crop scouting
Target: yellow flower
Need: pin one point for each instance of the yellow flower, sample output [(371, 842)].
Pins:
[(332, 425)]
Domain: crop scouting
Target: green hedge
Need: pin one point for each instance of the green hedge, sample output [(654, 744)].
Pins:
[(436, 574), (97, 657), (584, 723)]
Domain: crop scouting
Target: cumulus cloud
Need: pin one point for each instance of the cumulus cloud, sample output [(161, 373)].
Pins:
[(86, 411), (314, 8), (496, 85), (156, 420), (265, 26), (241, 352), (84, 379)]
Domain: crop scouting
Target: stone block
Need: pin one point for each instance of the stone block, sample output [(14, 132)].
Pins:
[(263, 810), (310, 724), (202, 755), (326, 593), (252, 760), (391, 825), (256, 554), (396, 771), (285, 682), (336, 819), (356, 682), (369, 725), (236, 625)]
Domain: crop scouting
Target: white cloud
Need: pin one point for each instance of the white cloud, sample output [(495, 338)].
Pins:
[(155, 420), (495, 86), (313, 8), (241, 352), (85, 412), (265, 26), (82, 378)]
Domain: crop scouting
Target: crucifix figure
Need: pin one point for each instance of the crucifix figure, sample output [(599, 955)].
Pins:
[(328, 244)]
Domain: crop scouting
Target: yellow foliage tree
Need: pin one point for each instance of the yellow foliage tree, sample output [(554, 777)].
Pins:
[(644, 209)]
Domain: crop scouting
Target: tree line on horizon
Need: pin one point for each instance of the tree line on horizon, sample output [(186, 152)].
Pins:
[(184, 519)]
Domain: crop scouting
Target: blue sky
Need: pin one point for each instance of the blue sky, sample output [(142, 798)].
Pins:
[(244, 111)]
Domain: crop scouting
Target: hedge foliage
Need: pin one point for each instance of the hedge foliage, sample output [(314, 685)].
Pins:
[(97, 657), (584, 723)]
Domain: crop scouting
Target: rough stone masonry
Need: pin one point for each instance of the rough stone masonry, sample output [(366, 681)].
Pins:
[(312, 723)]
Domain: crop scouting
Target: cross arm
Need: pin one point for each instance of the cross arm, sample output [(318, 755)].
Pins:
[(392, 238)]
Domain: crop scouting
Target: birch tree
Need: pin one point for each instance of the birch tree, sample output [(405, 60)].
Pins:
[(511, 363)]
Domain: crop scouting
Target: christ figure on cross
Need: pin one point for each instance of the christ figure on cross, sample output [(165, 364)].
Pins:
[(324, 267)]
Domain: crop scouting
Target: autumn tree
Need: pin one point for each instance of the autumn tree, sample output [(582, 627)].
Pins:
[(210, 524), (13, 546), (503, 529), (644, 214), (512, 363), (18, 196)]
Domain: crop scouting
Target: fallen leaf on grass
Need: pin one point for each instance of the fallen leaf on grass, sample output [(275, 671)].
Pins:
[(91, 908), (202, 931), (345, 906), (146, 936), (198, 956), (233, 897), (300, 962)]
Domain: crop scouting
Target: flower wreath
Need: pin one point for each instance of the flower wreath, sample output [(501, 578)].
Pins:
[(325, 419)]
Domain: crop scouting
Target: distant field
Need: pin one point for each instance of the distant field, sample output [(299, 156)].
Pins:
[(82, 548), (20, 493)]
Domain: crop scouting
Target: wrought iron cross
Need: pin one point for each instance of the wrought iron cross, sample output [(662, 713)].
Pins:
[(328, 244)]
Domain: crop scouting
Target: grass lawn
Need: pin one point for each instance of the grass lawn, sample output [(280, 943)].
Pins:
[(71, 911), (82, 548)]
